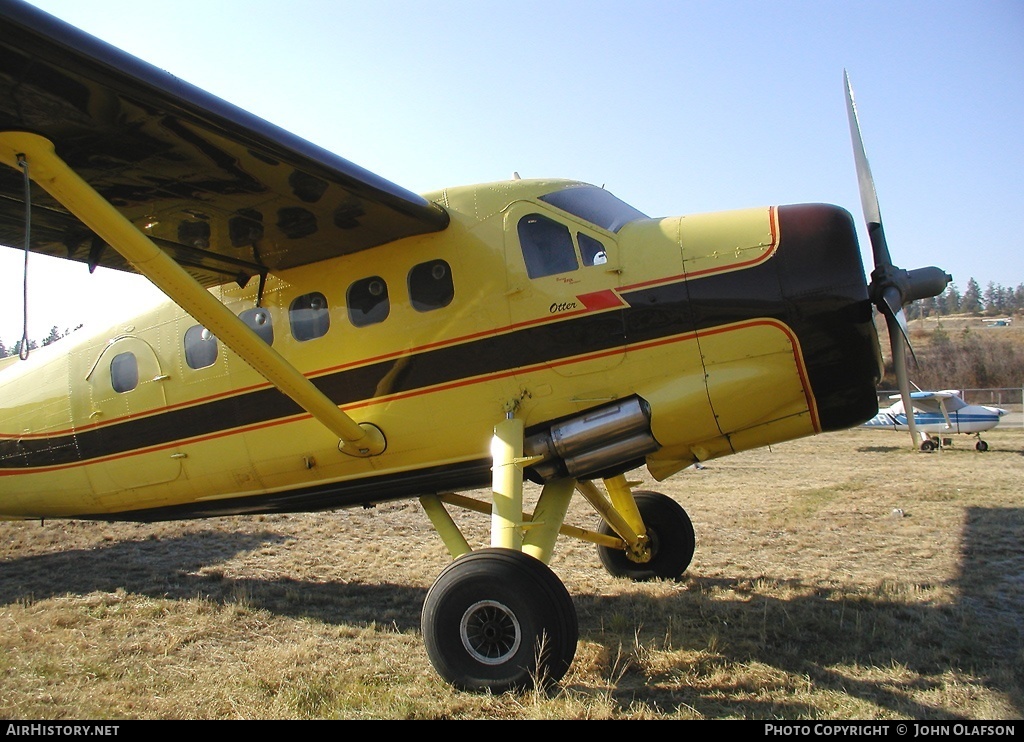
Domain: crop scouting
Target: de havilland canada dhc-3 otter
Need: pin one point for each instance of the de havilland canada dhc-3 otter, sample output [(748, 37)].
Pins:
[(333, 340)]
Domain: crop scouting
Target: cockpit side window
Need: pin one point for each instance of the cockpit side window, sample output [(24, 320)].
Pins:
[(591, 250), (547, 246)]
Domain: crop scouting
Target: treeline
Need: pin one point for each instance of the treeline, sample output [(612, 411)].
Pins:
[(15, 349), (964, 359), (995, 300)]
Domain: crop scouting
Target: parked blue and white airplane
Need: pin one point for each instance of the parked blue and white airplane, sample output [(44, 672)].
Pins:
[(938, 412)]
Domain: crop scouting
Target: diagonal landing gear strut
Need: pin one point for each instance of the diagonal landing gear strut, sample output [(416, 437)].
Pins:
[(498, 618)]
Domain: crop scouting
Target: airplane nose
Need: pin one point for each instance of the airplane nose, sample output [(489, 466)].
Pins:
[(822, 280)]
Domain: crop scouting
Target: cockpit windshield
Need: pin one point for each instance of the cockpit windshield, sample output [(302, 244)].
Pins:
[(594, 204)]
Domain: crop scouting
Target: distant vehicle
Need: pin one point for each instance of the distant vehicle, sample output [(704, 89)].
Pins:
[(1000, 322), (938, 412)]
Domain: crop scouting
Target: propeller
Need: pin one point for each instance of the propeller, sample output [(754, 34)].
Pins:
[(891, 287)]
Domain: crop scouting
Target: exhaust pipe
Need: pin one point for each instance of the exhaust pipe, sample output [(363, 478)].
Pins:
[(597, 441)]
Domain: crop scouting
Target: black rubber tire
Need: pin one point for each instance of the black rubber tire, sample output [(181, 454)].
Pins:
[(928, 445), (981, 446), (498, 620), (672, 541)]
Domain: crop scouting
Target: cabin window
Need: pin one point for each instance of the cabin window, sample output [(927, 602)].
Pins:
[(200, 347), (309, 316), (258, 320), (547, 246), (124, 372), (367, 301), (591, 250), (430, 285)]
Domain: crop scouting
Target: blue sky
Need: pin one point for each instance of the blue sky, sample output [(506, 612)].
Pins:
[(676, 107)]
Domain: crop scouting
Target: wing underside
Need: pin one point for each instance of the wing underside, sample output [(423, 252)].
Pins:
[(226, 194)]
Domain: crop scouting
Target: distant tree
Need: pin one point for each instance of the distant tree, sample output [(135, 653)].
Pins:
[(971, 301), (16, 350), (993, 298), (949, 300), (54, 336), (929, 307), (3, 349), (1018, 298)]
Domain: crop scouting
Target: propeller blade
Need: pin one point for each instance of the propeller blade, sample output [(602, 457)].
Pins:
[(899, 362), (891, 288), (868, 195), (891, 297)]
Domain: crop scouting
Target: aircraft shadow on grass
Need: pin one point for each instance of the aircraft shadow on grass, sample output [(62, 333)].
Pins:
[(983, 629), (880, 449)]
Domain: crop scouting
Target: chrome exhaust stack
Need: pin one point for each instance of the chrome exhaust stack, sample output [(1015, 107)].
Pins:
[(595, 442)]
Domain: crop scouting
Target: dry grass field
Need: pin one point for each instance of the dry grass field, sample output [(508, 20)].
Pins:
[(838, 577)]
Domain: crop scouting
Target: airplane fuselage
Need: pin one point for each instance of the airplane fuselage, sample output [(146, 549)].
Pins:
[(732, 330), (968, 420)]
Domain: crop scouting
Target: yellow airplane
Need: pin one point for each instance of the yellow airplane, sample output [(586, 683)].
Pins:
[(333, 341)]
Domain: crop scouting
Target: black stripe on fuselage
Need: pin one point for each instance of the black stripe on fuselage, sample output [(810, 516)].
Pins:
[(814, 284)]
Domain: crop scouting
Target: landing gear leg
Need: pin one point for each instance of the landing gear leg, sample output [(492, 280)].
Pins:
[(658, 543), (499, 618)]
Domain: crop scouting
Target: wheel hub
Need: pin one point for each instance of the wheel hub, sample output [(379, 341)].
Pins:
[(490, 632), (643, 551)]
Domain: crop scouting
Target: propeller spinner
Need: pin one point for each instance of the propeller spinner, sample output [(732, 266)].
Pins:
[(891, 287)]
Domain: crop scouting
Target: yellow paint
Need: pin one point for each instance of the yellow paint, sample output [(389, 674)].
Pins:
[(106, 221), (447, 424), (507, 454), (546, 522), (445, 526)]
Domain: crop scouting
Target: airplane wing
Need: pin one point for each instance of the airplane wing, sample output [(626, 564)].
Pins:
[(226, 194), (929, 402), (933, 402), (180, 186)]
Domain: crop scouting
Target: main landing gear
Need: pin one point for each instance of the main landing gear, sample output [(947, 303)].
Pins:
[(498, 618), (933, 443)]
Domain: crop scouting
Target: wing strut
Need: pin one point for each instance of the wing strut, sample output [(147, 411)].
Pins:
[(54, 175)]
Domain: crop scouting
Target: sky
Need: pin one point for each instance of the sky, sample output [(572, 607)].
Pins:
[(676, 107)]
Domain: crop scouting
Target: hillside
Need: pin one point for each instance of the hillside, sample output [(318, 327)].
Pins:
[(961, 351)]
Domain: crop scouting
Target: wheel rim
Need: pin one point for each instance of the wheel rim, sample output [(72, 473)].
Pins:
[(490, 632)]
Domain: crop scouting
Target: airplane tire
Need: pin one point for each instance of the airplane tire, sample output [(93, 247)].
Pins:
[(497, 620), (928, 445), (672, 541), (981, 446)]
